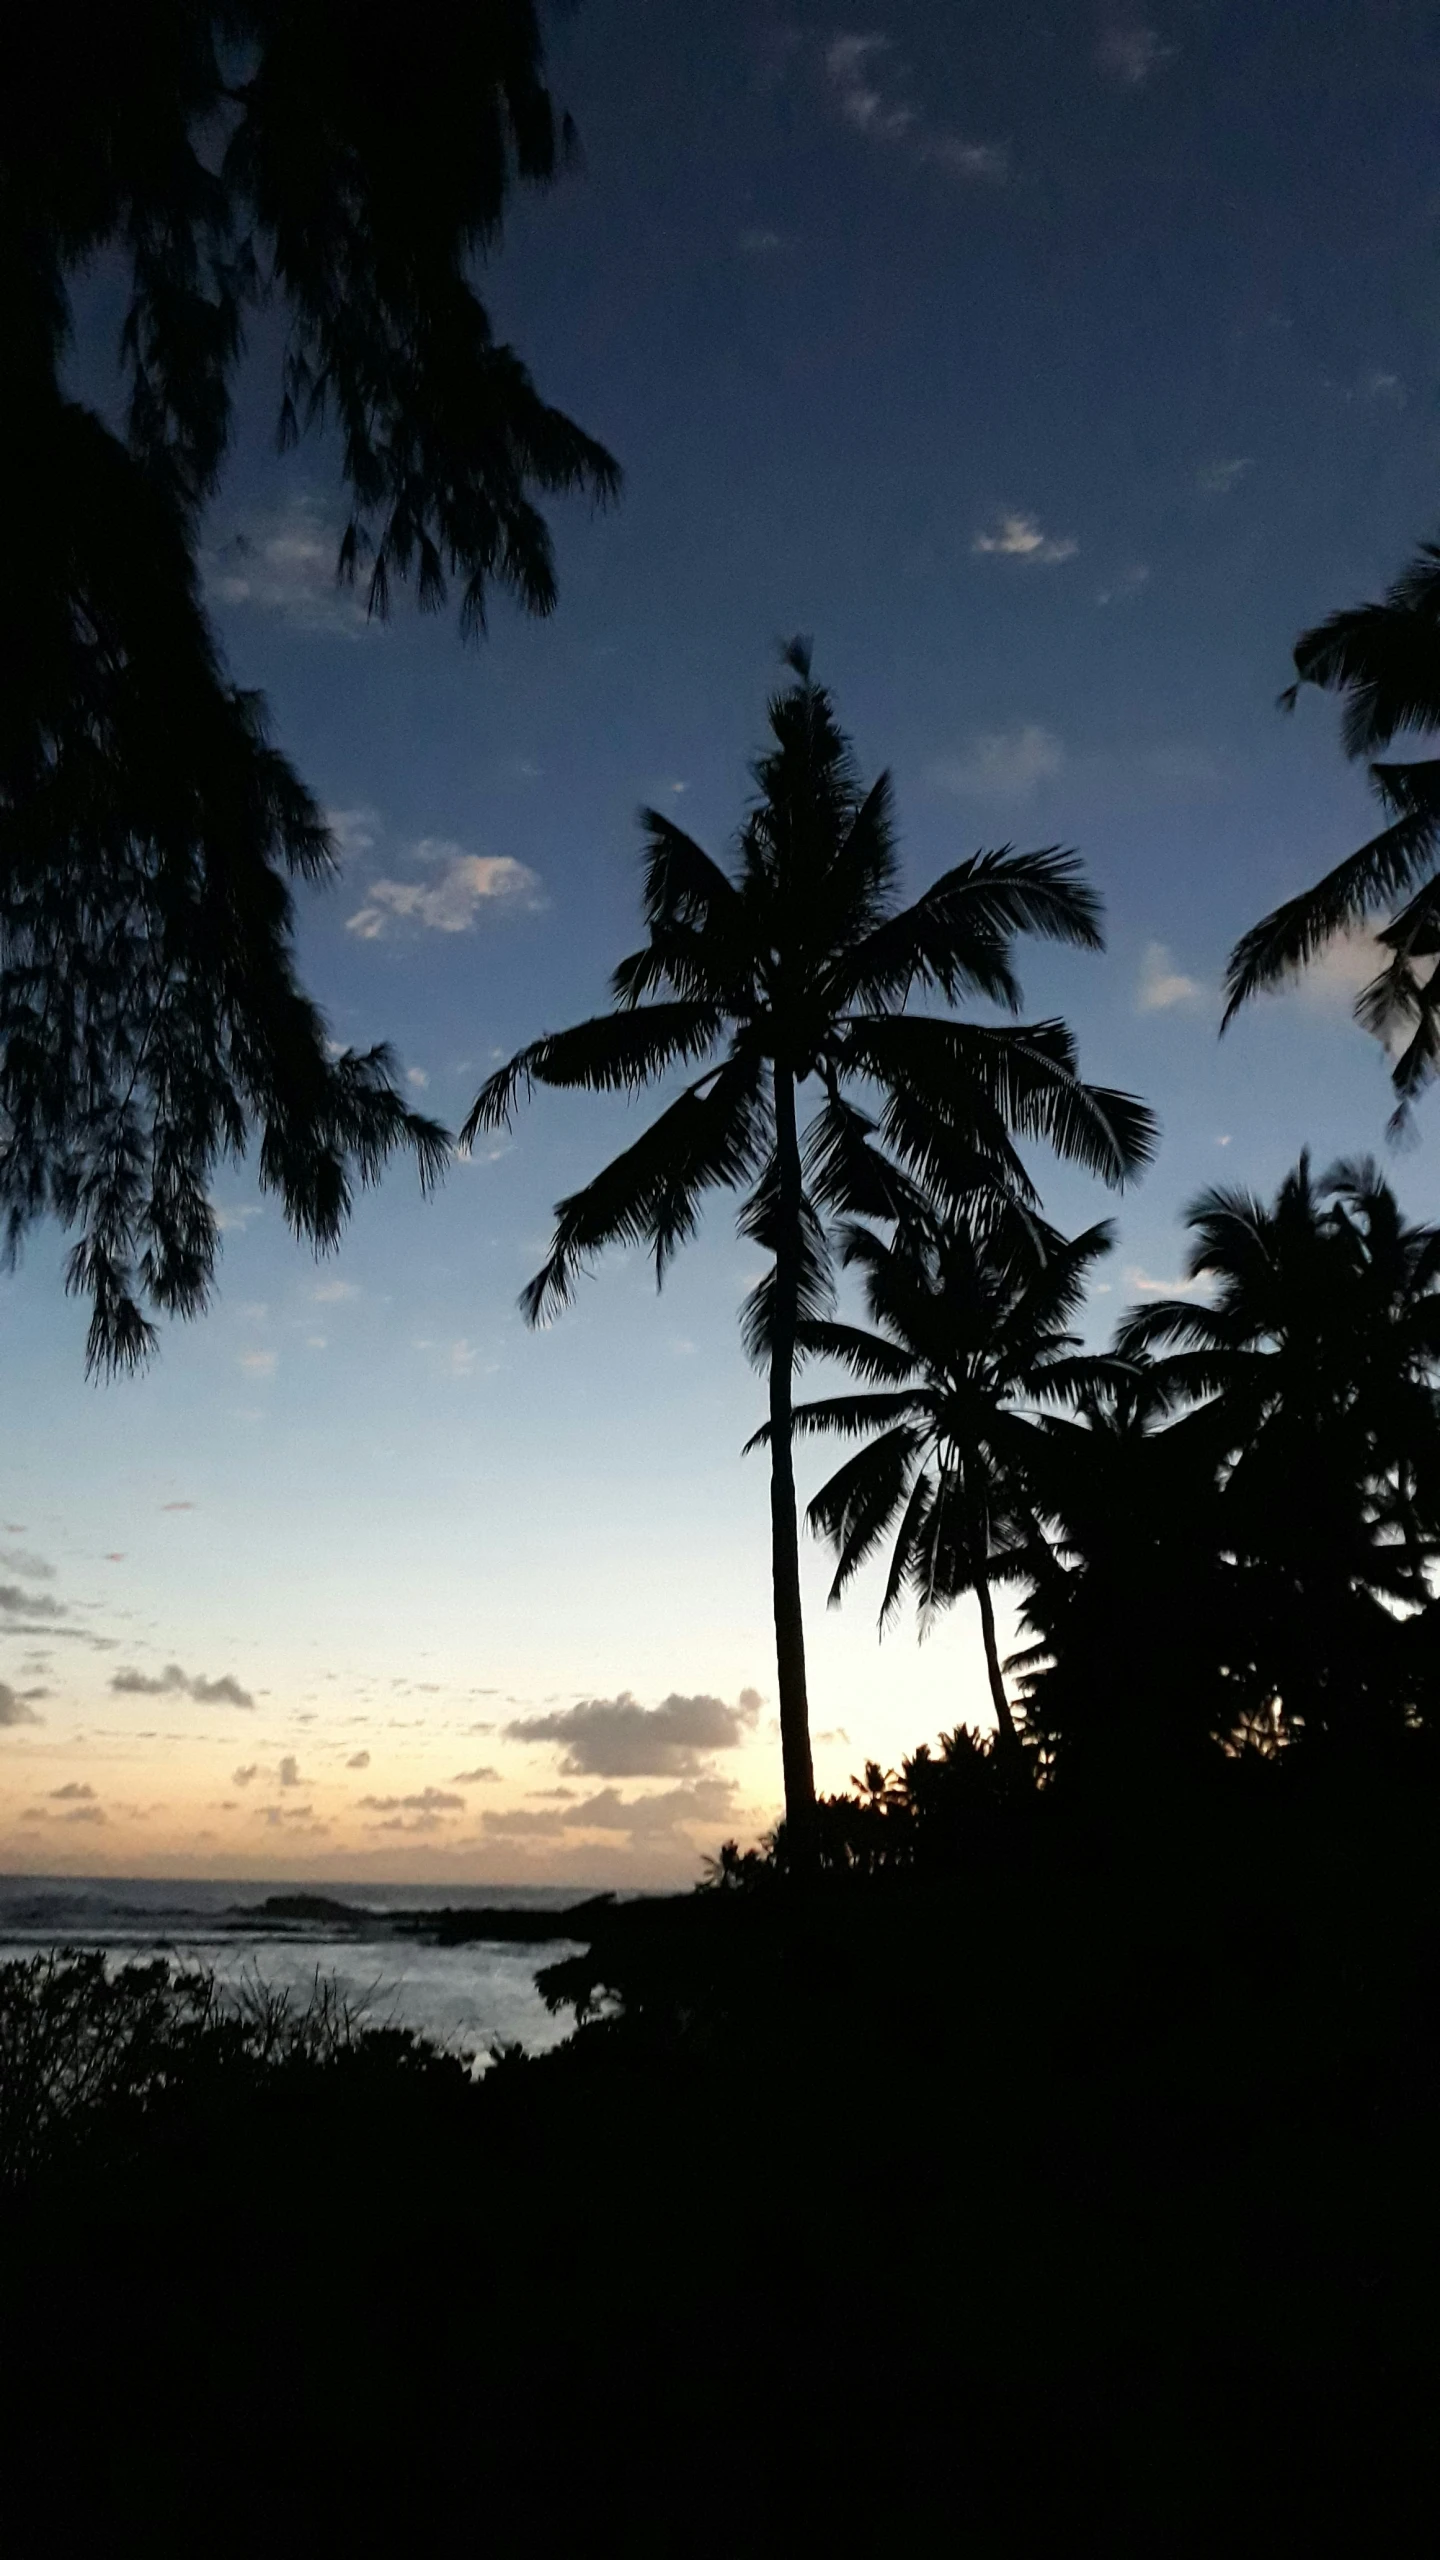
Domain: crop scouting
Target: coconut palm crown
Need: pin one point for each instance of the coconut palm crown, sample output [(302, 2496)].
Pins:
[(1384, 660), (795, 971), (973, 1313)]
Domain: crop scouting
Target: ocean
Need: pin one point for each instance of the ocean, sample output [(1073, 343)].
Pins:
[(468, 1998)]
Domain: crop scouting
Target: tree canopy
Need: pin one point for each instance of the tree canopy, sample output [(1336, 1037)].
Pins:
[(350, 170)]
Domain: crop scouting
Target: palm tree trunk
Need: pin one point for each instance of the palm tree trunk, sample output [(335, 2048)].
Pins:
[(1007, 1733), (784, 1528)]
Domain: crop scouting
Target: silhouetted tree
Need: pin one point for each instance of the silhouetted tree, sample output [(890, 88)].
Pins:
[(280, 150), (1316, 1364), (798, 970), (1384, 660), (973, 1310)]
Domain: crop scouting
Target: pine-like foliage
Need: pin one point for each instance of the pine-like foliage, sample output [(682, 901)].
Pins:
[(350, 166)]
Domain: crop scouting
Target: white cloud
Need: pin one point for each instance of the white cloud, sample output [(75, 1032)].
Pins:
[(1148, 1288), (1162, 985), (285, 564), (1129, 53), (1219, 478), (867, 80), (354, 830), (448, 902), (258, 1364), (1002, 764), (759, 243), (332, 1293), (416, 1078), (1013, 536), (235, 1221)]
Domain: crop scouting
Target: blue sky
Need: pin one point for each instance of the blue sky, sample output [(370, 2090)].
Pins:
[(1053, 367)]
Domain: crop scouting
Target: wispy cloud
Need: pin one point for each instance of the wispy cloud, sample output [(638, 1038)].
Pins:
[(460, 885), (1217, 479), (29, 1604), (1131, 582), (1131, 53), (1002, 764), (426, 1800), (284, 563), (257, 1364), (333, 1293), (173, 1682), (1182, 1288), (24, 1560), (15, 1708), (1162, 986), (869, 82), (1013, 536), (618, 1738), (355, 830)]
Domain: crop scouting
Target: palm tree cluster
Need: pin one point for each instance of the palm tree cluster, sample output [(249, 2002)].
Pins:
[(779, 992)]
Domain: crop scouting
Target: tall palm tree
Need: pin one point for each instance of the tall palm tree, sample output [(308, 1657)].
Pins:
[(972, 1311), (792, 974), (1316, 1364), (1384, 660)]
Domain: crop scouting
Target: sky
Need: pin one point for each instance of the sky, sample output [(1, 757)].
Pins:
[(1052, 366)]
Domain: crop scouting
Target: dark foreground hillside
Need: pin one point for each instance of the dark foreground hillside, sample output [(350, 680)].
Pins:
[(1086, 2198)]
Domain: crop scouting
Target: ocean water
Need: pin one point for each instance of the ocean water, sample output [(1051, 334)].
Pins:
[(468, 1998)]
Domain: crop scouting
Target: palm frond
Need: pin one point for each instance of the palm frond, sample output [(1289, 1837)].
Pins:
[(652, 1192), (1384, 657), (612, 1053), (956, 937), (854, 1510)]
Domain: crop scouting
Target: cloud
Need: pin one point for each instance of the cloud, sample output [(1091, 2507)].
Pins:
[(186, 1506), (358, 1760), (709, 1800), (1130, 53), (1217, 479), (23, 1560), (1129, 583), (74, 1791), (32, 1604), (243, 1777), (618, 1738), (258, 1364), (1014, 536), (14, 1709), (515, 1823), (474, 1777), (428, 1800), (1002, 764), (1338, 973), (1199, 1287), (333, 1293), (450, 901), (289, 1772), (285, 564), (759, 244), (354, 830), (172, 1681), (1162, 985), (416, 1078), (867, 80)]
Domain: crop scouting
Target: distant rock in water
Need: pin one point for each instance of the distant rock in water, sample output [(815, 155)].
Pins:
[(307, 1906)]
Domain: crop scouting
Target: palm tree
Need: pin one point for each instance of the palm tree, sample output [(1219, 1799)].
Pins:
[(1384, 660), (972, 1311), (794, 972), (1315, 1366)]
